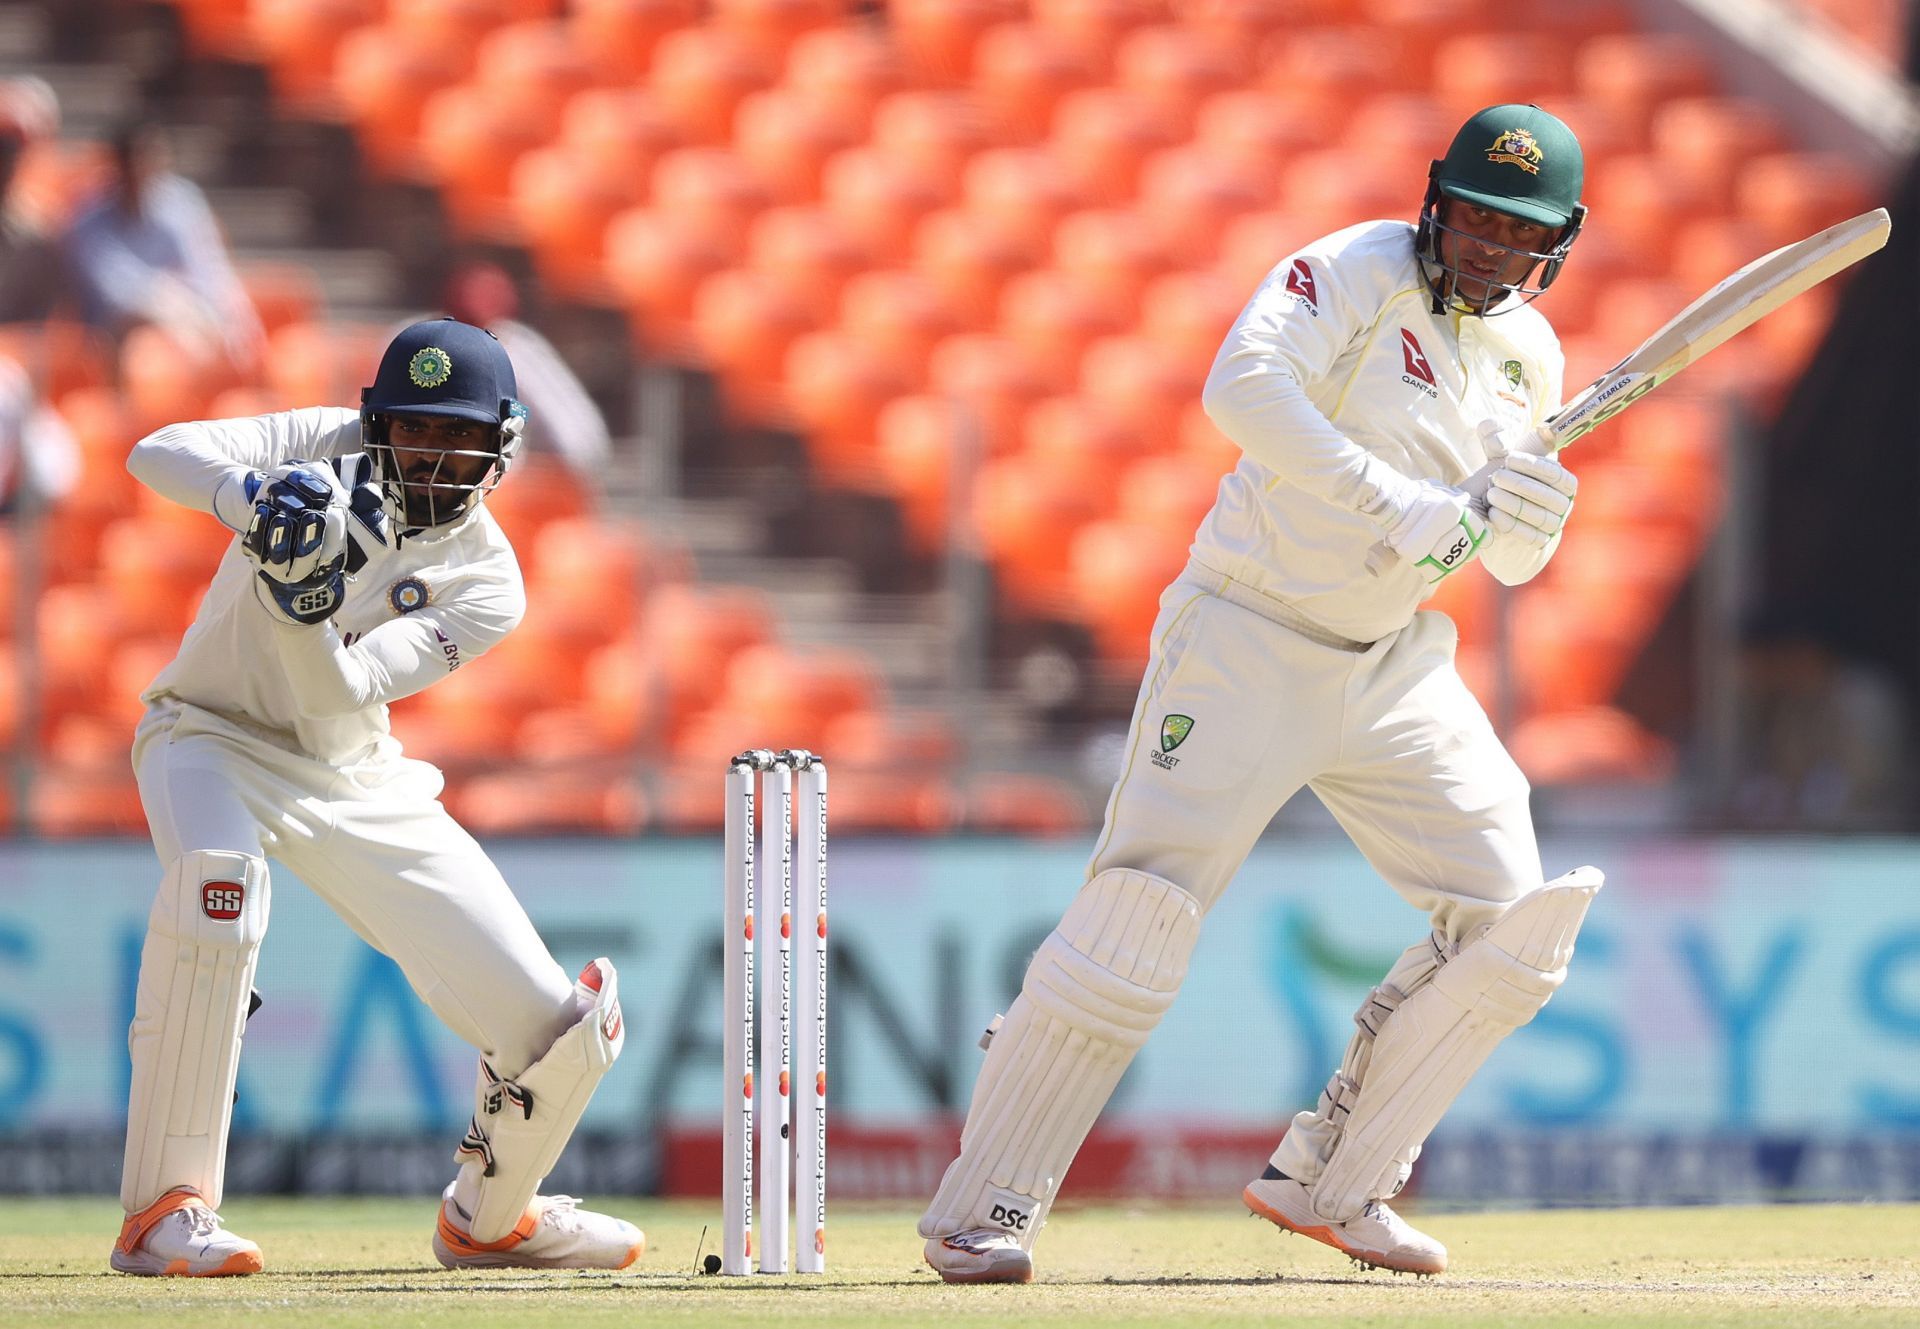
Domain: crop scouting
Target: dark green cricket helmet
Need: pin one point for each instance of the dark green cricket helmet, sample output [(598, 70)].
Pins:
[(1515, 159)]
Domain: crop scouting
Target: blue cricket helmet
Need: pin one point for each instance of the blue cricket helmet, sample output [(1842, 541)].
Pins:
[(442, 366)]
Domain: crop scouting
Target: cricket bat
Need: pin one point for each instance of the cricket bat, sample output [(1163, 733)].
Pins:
[(1737, 303)]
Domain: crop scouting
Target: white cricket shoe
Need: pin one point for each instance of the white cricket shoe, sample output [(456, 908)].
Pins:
[(178, 1236), (1376, 1236), (980, 1255), (555, 1233)]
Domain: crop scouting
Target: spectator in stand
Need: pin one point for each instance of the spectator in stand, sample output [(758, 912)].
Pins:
[(570, 424), (29, 263), (39, 460), (148, 251)]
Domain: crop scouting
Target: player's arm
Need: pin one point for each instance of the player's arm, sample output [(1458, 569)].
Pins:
[(1257, 391), (401, 656), (204, 464)]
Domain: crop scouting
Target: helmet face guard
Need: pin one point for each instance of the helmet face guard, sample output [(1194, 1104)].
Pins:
[(1444, 278), (442, 367)]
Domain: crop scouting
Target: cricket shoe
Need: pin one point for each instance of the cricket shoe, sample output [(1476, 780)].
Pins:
[(554, 1233), (980, 1255), (1376, 1236), (178, 1236)]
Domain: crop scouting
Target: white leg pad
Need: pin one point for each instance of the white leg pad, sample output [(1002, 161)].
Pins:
[(1096, 989), (1431, 1045), (520, 1125), (196, 973)]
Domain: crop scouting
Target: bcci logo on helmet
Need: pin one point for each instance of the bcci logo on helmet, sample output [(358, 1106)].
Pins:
[(1516, 147), (430, 367)]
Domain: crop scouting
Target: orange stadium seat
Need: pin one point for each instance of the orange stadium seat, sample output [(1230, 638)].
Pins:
[(1633, 73), (713, 189), (993, 381), (785, 140), (1188, 200), (1175, 68), (1051, 319), (836, 387), (807, 255), (75, 631), (1074, 437), (700, 76), (1424, 25), (234, 403), (1708, 139), (938, 37), (845, 71), (12, 579), (323, 364), (894, 738), (1101, 137), (968, 267), (537, 491), (1170, 491), (896, 314), (1638, 203), (165, 382), (620, 35), (104, 433), (539, 800), (384, 75), (745, 323), (1595, 744), (217, 27), (916, 442), (1025, 516), (1118, 569), (1255, 131), (877, 206), (1791, 195), (282, 293), (656, 260), (1018, 195), (1021, 75), (770, 27), (1479, 69), (1315, 70), (1112, 254), (1202, 440), (298, 39), (476, 137), (1130, 380), (694, 630), (1094, 29), (930, 133), (153, 580), (1187, 315), (563, 208), (616, 135), (590, 579), (536, 64)]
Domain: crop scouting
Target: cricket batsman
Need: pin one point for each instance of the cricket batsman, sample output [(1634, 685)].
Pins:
[(364, 568), (1374, 383)]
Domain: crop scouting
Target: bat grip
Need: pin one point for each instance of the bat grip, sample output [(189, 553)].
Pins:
[(1538, 442)]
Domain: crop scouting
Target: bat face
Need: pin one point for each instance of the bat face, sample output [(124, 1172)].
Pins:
[(1738, 302)]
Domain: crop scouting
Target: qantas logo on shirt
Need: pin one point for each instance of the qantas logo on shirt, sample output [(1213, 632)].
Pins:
[(1419, 369), (1300, 283)]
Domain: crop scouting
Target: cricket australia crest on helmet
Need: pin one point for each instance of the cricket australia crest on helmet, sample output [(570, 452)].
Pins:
[(1517, 147)]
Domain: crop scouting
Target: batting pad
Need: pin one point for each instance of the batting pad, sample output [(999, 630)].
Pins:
[(520, 1125), (1431, 1045), (196, 973), (1095, 990)]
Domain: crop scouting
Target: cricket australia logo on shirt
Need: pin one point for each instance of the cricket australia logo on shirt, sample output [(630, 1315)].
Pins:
[(1419, 371), (1173, 732)]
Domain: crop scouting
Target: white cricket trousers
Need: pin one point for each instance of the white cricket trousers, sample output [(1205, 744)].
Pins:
[(373, 841), (1385, 734)]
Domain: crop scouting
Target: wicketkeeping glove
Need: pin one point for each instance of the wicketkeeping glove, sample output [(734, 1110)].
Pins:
[(299, 524)]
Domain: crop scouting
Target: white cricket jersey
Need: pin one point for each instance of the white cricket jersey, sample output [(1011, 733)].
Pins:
[(412, 615), (1339, 383)]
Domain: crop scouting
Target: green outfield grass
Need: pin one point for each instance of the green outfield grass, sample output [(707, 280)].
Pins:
[(366, 1262)]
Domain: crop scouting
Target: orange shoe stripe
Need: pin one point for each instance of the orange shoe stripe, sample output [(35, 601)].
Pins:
[(458, 1239), (135, 1229)]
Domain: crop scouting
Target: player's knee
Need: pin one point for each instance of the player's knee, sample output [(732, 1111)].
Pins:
[(213, 897), (1117, 959)]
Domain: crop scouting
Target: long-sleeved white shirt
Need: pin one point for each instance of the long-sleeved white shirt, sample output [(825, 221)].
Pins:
[(1341, 387), (420, 608)]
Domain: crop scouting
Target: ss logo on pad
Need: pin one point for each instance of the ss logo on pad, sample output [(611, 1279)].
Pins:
[(221, 900)]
